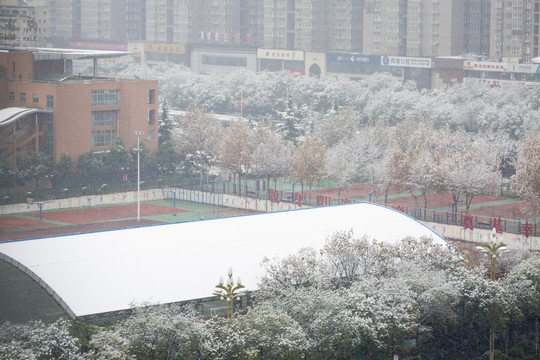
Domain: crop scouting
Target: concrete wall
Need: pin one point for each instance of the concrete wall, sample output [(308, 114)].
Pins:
[(514, 241)]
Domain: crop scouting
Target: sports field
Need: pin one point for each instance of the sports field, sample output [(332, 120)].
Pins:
[(99, 218)]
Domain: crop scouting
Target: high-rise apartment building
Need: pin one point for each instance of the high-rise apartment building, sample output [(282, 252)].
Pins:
[(477, 27), (24, 23), (65, 20), (420, 28), (313, 25), (413, 27), (135, 25), (204, 21), (94, 20), (514, 30)]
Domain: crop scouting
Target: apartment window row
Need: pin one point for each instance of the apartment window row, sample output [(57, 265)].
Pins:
[(106, 97), (104, 118), (103, 137)]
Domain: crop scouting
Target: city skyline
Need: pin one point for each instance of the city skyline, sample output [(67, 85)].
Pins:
[(495, 30)]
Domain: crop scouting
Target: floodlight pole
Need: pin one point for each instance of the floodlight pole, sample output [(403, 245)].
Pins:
[(138, 135)]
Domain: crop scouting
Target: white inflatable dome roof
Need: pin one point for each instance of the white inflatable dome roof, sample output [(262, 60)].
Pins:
[(109, 271)]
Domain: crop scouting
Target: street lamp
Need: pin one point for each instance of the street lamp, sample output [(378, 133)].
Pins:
[(230, 292), (494, 250), (138, 135)]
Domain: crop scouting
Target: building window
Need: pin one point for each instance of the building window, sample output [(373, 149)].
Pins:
[(152, 96), (50, 102), (103, 137), (11, 96), (106, 97), (151, 117), (23, 97), (35, 98), (104, 118), (151, 135)]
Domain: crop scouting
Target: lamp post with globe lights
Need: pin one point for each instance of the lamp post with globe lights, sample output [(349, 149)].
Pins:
[(493, 249), (230, 291)]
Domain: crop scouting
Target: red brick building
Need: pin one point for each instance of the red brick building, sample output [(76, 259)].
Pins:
[(44, 107)]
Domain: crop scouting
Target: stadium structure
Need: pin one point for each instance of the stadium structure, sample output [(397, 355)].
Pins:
[(105, 274)]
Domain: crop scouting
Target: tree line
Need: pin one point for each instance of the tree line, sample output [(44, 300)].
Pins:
[(468, 139), (379, 129)]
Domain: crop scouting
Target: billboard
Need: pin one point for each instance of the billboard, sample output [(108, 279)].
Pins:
[(353, 58), (525, 68), (402, 61), (485, 66)]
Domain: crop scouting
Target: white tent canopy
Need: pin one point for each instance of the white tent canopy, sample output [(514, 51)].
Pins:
[(109, 271)]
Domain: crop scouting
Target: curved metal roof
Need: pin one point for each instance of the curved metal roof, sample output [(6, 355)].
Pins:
[(12, 114), (109, 271), (71, 54)]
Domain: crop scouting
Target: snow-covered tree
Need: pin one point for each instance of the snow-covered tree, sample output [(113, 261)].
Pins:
[(308, 160), (166, 124), (527, 180), (119, 156), (372, 145), (466, 168), (197, 139), (152, 332), (341, 165), (238, 147), (271, 333), (272, 155), (348, 257), (39, 341), (414, 157), (337, 126), (36, 166)]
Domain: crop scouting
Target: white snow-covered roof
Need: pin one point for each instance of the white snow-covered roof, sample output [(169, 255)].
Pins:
[(109, 271), (11, 114)]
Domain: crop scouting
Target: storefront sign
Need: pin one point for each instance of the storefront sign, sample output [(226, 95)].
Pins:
[(350, 58), (280, 54), (407, 61)]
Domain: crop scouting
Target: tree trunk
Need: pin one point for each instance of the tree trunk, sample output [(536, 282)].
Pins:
[(201, 182), (239, 184), (536, 334), (455, 198), (268, 186), (468, 201)]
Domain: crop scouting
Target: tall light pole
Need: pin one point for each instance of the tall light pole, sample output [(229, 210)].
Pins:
[(494, 250), (138, 135)]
